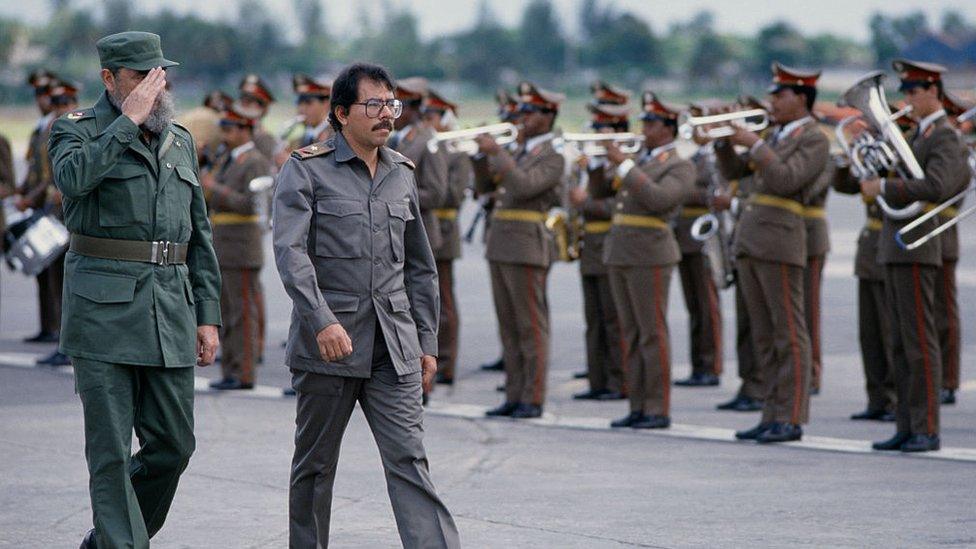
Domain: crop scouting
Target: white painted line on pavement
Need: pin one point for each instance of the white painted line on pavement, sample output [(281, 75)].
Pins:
[(677, 430)]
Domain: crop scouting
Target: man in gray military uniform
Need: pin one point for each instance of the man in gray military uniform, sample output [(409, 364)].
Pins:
[(353, 255)]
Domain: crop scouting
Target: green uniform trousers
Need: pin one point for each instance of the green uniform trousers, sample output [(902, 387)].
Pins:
[(131, 494)]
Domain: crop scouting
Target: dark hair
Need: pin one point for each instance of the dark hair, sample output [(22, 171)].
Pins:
[(345, 88), (938, 85), (809, 92)]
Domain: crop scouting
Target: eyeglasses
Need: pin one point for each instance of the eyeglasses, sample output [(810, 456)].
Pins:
[(375, 106)]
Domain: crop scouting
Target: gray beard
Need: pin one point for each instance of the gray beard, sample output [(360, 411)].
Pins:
[(162, 113)]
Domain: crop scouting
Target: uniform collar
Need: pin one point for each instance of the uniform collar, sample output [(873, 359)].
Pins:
[(534, 142), (928, 121), (657, 151), (238, 151), (788, 128)]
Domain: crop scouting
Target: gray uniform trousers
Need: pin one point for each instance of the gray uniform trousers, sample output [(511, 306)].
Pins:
[(392, 408)]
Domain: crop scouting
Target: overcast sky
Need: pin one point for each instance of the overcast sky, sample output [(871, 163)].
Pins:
[(848, 17)]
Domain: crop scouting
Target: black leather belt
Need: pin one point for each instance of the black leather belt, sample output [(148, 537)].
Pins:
[(159, 252)]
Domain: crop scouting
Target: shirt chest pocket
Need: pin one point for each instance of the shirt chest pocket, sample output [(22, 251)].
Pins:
[(186, 184), (124, 196), (339, 226), (399, 216)]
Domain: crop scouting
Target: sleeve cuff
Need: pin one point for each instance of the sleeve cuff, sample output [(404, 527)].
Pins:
[(755, 148), (208, 313), (428, 344), (124, 129), (319, 319), (624, 168)]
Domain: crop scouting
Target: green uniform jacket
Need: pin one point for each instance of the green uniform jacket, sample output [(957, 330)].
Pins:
[(114, 186)]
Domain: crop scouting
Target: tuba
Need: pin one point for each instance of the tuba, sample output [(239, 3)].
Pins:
[(884, 150)]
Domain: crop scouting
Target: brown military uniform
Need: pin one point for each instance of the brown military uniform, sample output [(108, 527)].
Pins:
[(947, 322), (237, 236), (748, 368), (770, 247), (818, 244), (604, 339), (266, 143), (874, 323), (7, 182), (459, 176), (640, 253), (432, 184), (697, 284), (520, 250), (911, 277)]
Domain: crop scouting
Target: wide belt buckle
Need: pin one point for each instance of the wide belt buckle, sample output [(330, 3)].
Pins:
[(160, 252)]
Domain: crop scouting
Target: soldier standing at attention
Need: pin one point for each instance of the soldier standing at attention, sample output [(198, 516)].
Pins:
[(911, 275), (142, 287), (770, 247), (641, 253), (237, 236), (520, 248), (353, 256), (441, 115)]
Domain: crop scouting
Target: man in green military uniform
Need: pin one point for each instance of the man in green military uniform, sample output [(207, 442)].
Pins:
[(142, 287)]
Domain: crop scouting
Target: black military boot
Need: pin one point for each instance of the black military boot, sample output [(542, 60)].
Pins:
[(629, 420), (527, 411), (652, 422), (698, 380), (893, 443), (921, 443), (505, 410), (780, 432), (947, 396), (496, 366), (753, 434)]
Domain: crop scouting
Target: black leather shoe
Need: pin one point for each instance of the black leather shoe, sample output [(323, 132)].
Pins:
[(652, 422), (230, 384), (741, 404), (871, 415), (497, 366), (628, 420), (780, 432), (921, 443), (581, 375), (289, 392), (893, 443), (505, 410), (591, 394), (43, 337), (89, 541), (55, 359), (948, 396), (814, 391), (444, 380), (612, 395), (753, 434), (500, 388), (527, 411), (698, 380), (424, 399)]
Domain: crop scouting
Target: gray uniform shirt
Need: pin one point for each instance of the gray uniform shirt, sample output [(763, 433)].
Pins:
[(352, 249)]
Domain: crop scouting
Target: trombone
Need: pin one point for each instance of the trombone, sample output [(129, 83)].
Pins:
[(943, 227), (714, 126), (463, 140), (593, 145)]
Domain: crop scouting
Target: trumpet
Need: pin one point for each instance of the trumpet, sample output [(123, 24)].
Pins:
[(593, 145), (463, 140), (715, 126)]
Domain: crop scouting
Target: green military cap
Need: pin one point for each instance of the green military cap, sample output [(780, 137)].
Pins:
[(139, 51)]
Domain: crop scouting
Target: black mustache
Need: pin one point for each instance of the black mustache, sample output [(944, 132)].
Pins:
[(386, 125)]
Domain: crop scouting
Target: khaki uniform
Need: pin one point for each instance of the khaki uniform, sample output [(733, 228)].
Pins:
[(697, 284), (640, 253), (520, 250), (432, 183), (237, 236), (748, 367), (874, 322), (459, 177), (266, 143), (947, 322), (911, 278), (770, 247), (818, 244), (604, 339)]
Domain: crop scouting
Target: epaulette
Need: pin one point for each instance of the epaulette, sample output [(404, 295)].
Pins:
[(80, 114), (182, 127), (400, 159), (313, 150)]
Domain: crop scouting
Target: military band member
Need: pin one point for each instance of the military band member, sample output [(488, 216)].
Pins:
[(520, 249), (604, 341), (219, 101), (64, 99), (770, 246), (874, 323), (32, 192), (256, 94), (141, 287), (818, 244), (313, 106), (911, 277), (947, 321), (441, 115), (237, 237), (640, 253), (8, 183), (353, 255), (697, 283)]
